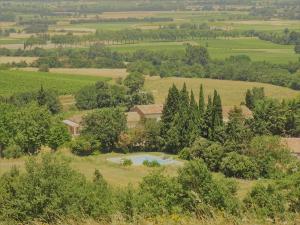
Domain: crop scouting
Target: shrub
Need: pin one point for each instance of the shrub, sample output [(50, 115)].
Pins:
[(212, 156), (185, 154), (127, 162), (58, 135), (272, 156), (158, 195), (49, 191), (202, 192), (44, 68), (153, 163), (198, 147), (84, 146), (13, 151), (240, 166), (265, 201)]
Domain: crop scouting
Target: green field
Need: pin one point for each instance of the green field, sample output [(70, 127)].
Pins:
[(11, 41), (221, 48), (20, 81)]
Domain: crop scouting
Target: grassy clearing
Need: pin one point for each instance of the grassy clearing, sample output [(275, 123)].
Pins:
[(232, 92), (21, 81), (115, 174)]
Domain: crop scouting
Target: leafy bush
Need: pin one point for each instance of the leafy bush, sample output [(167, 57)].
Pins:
[(44, 68), (58, 135), (84, 146), (153, 163), (240, 166), (201, 191), (127, 162), (266, 201), (272, 156), (158, 195), (212, 156), (50, 190), (13, 151)]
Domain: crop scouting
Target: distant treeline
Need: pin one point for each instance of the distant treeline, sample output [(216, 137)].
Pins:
[(286, 37), (196, 62), (118, 20)]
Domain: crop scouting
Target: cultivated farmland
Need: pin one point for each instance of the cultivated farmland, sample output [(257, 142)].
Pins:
[(21, 81)]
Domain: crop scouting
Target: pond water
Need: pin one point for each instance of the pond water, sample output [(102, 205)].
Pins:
[(139, 159)]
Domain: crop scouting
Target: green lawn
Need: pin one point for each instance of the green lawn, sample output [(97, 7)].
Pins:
[(20, 81)]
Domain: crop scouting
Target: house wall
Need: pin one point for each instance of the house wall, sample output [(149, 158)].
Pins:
[(157, 117)]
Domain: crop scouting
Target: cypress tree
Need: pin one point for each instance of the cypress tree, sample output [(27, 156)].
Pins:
[(201, 101), (171, 107), (217, 113), (193, 104), (184, 97), (208, 117)]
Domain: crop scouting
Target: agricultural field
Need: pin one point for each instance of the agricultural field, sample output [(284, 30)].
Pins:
[(222, 48), (11, 59), (67, 81), (232, 92), (111, 73), (21, 81)]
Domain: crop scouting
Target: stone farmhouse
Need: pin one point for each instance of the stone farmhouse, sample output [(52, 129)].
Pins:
[(134, 117)]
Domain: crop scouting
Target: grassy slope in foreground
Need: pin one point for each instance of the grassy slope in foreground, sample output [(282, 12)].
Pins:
[(20, 81), (232, 92)]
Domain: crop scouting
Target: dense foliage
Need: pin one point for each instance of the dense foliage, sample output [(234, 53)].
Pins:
[(52, 192), (25, 129)]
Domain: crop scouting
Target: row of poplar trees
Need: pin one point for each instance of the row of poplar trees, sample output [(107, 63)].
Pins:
[(184, 119)]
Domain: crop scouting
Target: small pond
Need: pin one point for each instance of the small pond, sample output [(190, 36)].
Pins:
[(139, 159)]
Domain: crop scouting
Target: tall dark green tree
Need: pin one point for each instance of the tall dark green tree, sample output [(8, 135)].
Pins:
[(201, 101), (171, 107), (217, 116), (184, 99), (208, 117)]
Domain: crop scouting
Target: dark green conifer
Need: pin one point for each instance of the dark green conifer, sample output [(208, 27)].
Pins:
[(201, 101)]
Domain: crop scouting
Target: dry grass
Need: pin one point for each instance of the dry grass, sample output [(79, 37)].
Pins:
[(11, 59), (293, 144), (20, 35), (67, 101), (134, 14), (232, 92)]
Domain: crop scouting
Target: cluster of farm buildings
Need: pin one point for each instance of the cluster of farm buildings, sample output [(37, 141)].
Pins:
[(142, 112)]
